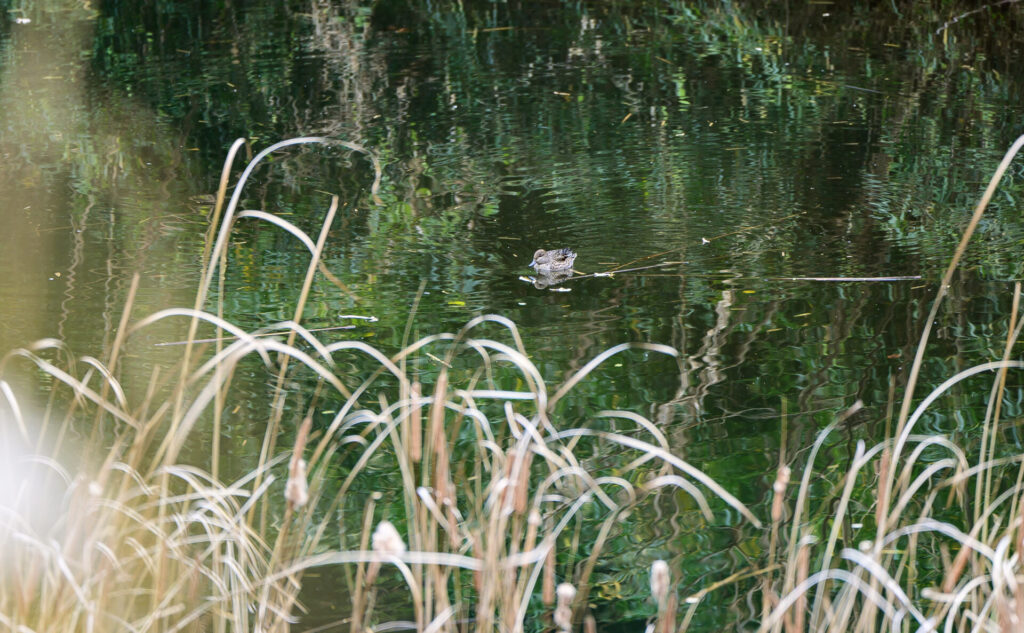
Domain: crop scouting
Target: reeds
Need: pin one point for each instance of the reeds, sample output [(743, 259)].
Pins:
[(104, 525), (109, 527), (916, 568)]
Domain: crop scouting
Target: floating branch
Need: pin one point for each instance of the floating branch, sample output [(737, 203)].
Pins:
[(896, 278)]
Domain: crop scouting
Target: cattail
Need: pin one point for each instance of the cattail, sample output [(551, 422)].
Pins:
[(515, 495), (547, 594), (882, 505), (661, 578), (438, 442), (296, 490), (437, 438), (522, 484), (779, 488), (661, 584), (563, 612), (443, 485), (387, 541)]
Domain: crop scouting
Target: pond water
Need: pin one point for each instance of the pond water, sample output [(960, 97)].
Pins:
[(716, 162)]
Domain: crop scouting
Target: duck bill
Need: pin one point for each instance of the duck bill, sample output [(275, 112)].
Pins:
[(533, 262)]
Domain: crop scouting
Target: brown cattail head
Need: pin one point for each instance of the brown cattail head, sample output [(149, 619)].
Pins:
[(547, 593), (437, 437), (296, 491), (522, 482), (303, 435), (882, 505), (439, 442)]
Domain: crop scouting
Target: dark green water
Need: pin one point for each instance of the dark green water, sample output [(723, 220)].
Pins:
[(721, 154)]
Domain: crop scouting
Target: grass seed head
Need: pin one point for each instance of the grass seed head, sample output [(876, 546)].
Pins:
[(563, 612), (661, 579), (386, 540)]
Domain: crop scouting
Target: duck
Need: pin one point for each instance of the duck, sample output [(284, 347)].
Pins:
[(554, 261)]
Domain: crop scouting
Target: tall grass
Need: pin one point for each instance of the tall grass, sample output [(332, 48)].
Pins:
[(106, 525), (917, 568)]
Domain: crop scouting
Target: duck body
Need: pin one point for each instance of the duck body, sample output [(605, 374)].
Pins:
[(554, 261)]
